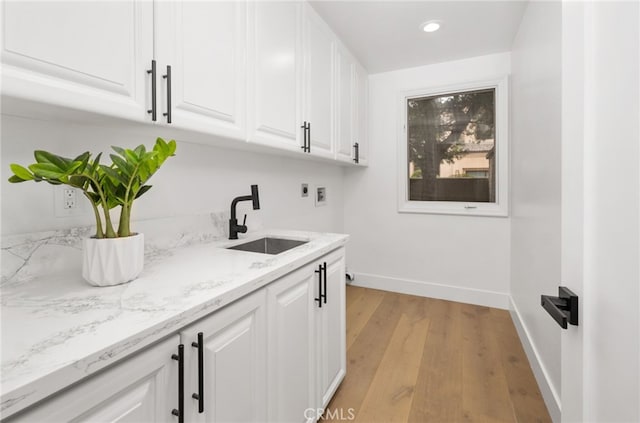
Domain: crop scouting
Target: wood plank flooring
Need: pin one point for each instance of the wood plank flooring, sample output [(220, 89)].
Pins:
[(415, 359)]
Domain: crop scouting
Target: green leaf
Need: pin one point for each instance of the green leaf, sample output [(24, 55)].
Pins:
[(21, 172), (142, 190), (14, 179), (140, 150), (118, 150), (78, 181), (46, 170), (124, 167), (45, 157), (96, 163), (132, 157), (114, 175)]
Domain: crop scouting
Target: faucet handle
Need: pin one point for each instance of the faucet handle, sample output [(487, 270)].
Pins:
[(244, 221)]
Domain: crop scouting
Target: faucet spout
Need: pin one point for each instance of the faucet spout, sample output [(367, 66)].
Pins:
[(234, 228)]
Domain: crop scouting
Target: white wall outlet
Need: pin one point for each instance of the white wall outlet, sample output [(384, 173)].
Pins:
[(68, 201), (321, 196), (305, 190), (69, 198)]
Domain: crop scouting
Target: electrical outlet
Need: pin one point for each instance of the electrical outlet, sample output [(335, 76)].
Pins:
[(321, 196), (305, 190), (69, 198), (68, 201)]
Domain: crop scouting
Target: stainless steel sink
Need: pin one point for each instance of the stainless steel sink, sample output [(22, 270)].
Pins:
[(268, 245)]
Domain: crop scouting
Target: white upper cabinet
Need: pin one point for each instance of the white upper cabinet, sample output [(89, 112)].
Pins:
[(275, 74), (266, 72), (319, 104), (346, 105), (85, 55), (204, 43), (361, 99)]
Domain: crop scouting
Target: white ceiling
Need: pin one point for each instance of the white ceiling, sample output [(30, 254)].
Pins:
[(386, 35)]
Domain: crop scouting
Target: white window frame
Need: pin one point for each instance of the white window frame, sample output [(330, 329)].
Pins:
[(501, 207)]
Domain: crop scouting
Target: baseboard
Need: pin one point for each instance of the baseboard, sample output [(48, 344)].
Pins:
[(433, 290), (549, 394)]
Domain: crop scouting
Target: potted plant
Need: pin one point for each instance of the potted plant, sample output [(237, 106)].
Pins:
[(110, 257)]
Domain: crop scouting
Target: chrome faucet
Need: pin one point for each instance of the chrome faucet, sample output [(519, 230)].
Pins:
[(234, 228)]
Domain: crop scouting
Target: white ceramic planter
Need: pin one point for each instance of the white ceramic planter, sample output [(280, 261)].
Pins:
[(112, 261)]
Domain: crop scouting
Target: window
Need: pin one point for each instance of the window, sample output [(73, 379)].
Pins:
[(453, 150)]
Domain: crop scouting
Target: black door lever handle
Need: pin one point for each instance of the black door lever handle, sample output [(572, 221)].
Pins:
[(563, 308)]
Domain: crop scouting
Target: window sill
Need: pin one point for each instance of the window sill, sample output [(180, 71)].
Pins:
[(454, 208)]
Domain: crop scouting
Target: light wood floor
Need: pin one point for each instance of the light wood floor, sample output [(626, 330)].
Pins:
[(415, 359)]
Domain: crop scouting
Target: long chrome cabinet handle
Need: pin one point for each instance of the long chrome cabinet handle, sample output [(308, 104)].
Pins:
[(179, 412), (167, 76), (200, 395), (153, 110)]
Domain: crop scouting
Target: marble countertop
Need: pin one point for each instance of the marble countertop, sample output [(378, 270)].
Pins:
[(57, 330)]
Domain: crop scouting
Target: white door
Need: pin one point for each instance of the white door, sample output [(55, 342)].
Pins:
[(291, 346), (91, 56), (234, 354), (331, 329), (142, 389), (319, 87), (204, 43), (345, 72), (601, 210), (361, 100), (275, 71)]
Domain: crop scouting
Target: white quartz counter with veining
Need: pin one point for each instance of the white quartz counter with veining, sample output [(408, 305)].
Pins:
[(57, 330)]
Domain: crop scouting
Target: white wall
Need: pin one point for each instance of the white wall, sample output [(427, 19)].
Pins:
[(199, 179), (460, 258), (535, 189)]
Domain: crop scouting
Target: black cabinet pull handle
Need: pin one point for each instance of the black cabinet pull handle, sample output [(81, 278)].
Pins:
[(179, 412), (320, 295), (309, 137), (200, 395), (356, 148), (168, 78), (324, 284), (153, 110)]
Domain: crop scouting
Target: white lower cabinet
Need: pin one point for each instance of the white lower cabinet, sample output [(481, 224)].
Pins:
[(234, 354), (331, 330), (277, 354), (141, 389), (291, 346)]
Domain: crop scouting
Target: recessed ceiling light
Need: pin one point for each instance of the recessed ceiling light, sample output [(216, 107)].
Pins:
[(430, 26)]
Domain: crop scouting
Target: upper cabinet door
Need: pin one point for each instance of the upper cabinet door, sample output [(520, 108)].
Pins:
[(319, 83), (361, 98), (275, 69), (86, 55), (204, 43), (346, 105)]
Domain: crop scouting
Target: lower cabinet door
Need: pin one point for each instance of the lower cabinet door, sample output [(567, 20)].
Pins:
[(234, 354), (290, 304), (331, 329), (142, 389)]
